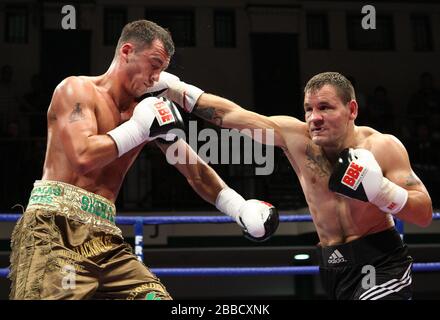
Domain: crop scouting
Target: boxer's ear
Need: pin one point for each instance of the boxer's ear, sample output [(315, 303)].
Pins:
[(353, 108), (126, 50)]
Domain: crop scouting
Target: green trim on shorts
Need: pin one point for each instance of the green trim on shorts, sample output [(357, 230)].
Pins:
[(62, 195)]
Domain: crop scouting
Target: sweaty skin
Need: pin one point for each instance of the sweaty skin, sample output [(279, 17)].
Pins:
[(312, 148), (83, 109)]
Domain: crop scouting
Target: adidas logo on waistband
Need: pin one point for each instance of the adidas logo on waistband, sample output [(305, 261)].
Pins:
[(336, 257)]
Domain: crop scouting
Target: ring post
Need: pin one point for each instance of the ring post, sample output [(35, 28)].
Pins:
[(400, 227), (139, 239)]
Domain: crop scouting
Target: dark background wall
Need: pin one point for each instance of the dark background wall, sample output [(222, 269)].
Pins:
[(253, 52)]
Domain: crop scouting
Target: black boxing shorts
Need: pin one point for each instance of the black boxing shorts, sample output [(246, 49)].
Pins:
[(67, 246), (375, 267)]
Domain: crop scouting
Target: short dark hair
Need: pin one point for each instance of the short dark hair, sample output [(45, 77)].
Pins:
[(144, 32), (342, 84)]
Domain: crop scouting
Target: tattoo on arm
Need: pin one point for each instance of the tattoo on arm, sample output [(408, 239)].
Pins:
[(210, 114), (411, 180), (77, 113)]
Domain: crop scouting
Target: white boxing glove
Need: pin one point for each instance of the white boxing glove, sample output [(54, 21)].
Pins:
[(358, 175), (170, 86), (258, 219)]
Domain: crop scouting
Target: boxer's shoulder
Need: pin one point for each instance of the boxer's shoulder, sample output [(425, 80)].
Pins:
[(367, 137), (75, 85), (366, 132), (78, 88), (386, 148), (372, 139), (75, 92)]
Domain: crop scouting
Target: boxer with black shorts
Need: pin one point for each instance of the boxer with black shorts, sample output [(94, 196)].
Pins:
[(355, 180)]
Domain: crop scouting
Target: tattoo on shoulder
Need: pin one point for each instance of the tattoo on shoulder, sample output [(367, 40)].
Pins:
[(317, 162), (77, 113), (412, 180), (210, 114)]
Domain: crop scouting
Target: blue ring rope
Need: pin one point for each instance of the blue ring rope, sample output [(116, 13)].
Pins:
[(219, 271), (252, 271), (131, 220)]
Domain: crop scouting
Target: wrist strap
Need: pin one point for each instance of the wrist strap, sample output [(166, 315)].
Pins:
[(126, 136), (185, 95), (191, 95), (391, 198), (229, 202)]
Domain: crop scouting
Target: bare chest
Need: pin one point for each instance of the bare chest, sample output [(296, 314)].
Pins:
[(107, 115), (314, 171), (337, 218)]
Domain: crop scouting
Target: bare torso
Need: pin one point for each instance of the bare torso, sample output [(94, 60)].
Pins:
[(337, 219), (105, 181)]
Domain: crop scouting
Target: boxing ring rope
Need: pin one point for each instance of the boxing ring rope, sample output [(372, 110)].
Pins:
[(139, 221)]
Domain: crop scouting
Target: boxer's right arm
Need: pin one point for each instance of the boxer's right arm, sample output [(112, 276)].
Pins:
[(73, 104), (88, 150)]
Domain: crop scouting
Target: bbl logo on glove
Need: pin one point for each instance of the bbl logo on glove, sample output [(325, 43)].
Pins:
[(358, 175), (163, 113), (353, 175)]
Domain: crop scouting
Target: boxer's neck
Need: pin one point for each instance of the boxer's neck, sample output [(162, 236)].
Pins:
[(112, 83), (349, 140)]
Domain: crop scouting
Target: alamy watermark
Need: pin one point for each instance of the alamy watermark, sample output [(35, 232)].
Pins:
[(225, 146), (69, 279), (369, 20), (369, 280), (69, 20)]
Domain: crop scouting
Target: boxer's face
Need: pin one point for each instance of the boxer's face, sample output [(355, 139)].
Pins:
[(144, 67), (327, 117)]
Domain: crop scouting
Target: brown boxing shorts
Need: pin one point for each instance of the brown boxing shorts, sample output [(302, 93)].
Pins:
[(66, 246)]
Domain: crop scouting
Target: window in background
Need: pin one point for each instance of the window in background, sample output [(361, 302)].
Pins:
[(317, 31), (16, 24), (179, 22), (224, 29), (115, 19), (381, 38), (421, 32)]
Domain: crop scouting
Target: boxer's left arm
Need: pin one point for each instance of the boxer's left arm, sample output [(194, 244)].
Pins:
[(394, 161), (383, 177), (258, 219), (201, 177), (274, 130)]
